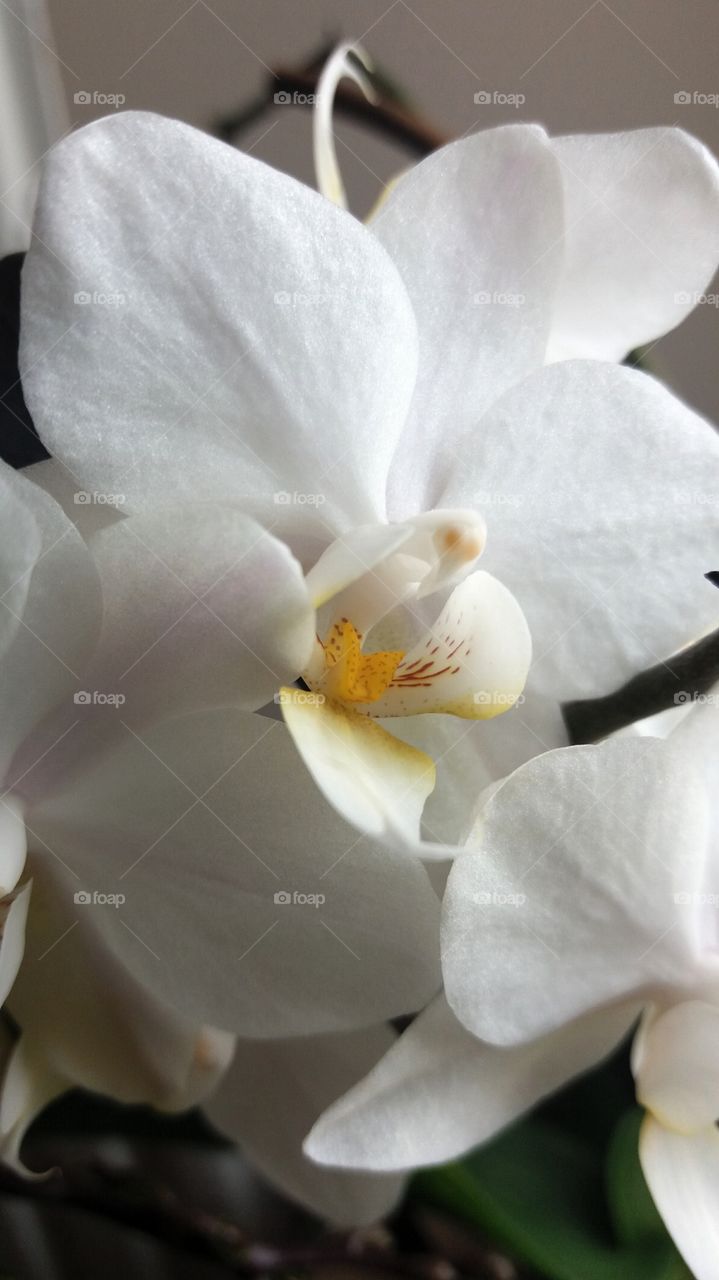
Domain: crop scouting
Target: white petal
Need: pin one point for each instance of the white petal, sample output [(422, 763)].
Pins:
[(28, 1085), (271, 1096), (439, 1091), (372, 779), (206, 824), (642, 238), (13, 844), (475, 230), (603, 534), (678, 1076), (258, 345), (13, 921), (54, 627), (575, 898), (472, 662), (683, 1176)]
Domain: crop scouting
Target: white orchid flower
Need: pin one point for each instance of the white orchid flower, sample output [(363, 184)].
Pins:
[(376, 399), (591, 894)]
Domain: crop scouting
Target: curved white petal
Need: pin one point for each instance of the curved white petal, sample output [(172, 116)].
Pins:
[(13, 922), (226, 332), (600, 493), (683, 1176), (207, 824), (270, 1098), (50, 602), (13, 843), (475, 230), (439, 1091), (678, 1075), (642, 238), (576, 897), (28, 1086), (373, 779), (337, 68), (473, 661)]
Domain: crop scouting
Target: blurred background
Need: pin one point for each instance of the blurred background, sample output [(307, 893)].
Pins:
[(580, 67)]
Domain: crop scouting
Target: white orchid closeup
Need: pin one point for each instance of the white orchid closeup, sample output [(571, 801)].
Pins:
[(372, 400), (590, 893)]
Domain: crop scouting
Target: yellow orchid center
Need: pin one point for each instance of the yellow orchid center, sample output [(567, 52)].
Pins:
[(351, 675)]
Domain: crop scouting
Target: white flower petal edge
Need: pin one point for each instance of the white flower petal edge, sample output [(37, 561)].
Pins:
[(641, 241), (272, 1094), (599, 489), (439, 1091), (340, 66), (293, 352)]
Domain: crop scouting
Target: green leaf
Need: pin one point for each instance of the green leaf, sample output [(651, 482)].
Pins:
[(633, 1213), (538, 1192)]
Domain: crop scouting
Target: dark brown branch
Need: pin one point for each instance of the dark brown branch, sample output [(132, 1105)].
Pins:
[(682, 678)]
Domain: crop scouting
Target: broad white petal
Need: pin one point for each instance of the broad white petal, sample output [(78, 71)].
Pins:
[(473, 661), (249, 904), (600, 493), (439, 1091), (197, 325), (270, 1098), (50, 605), (678, 1076), (581, 892), (373, 779), (682, 1172), (475, 230), (641, 241)]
